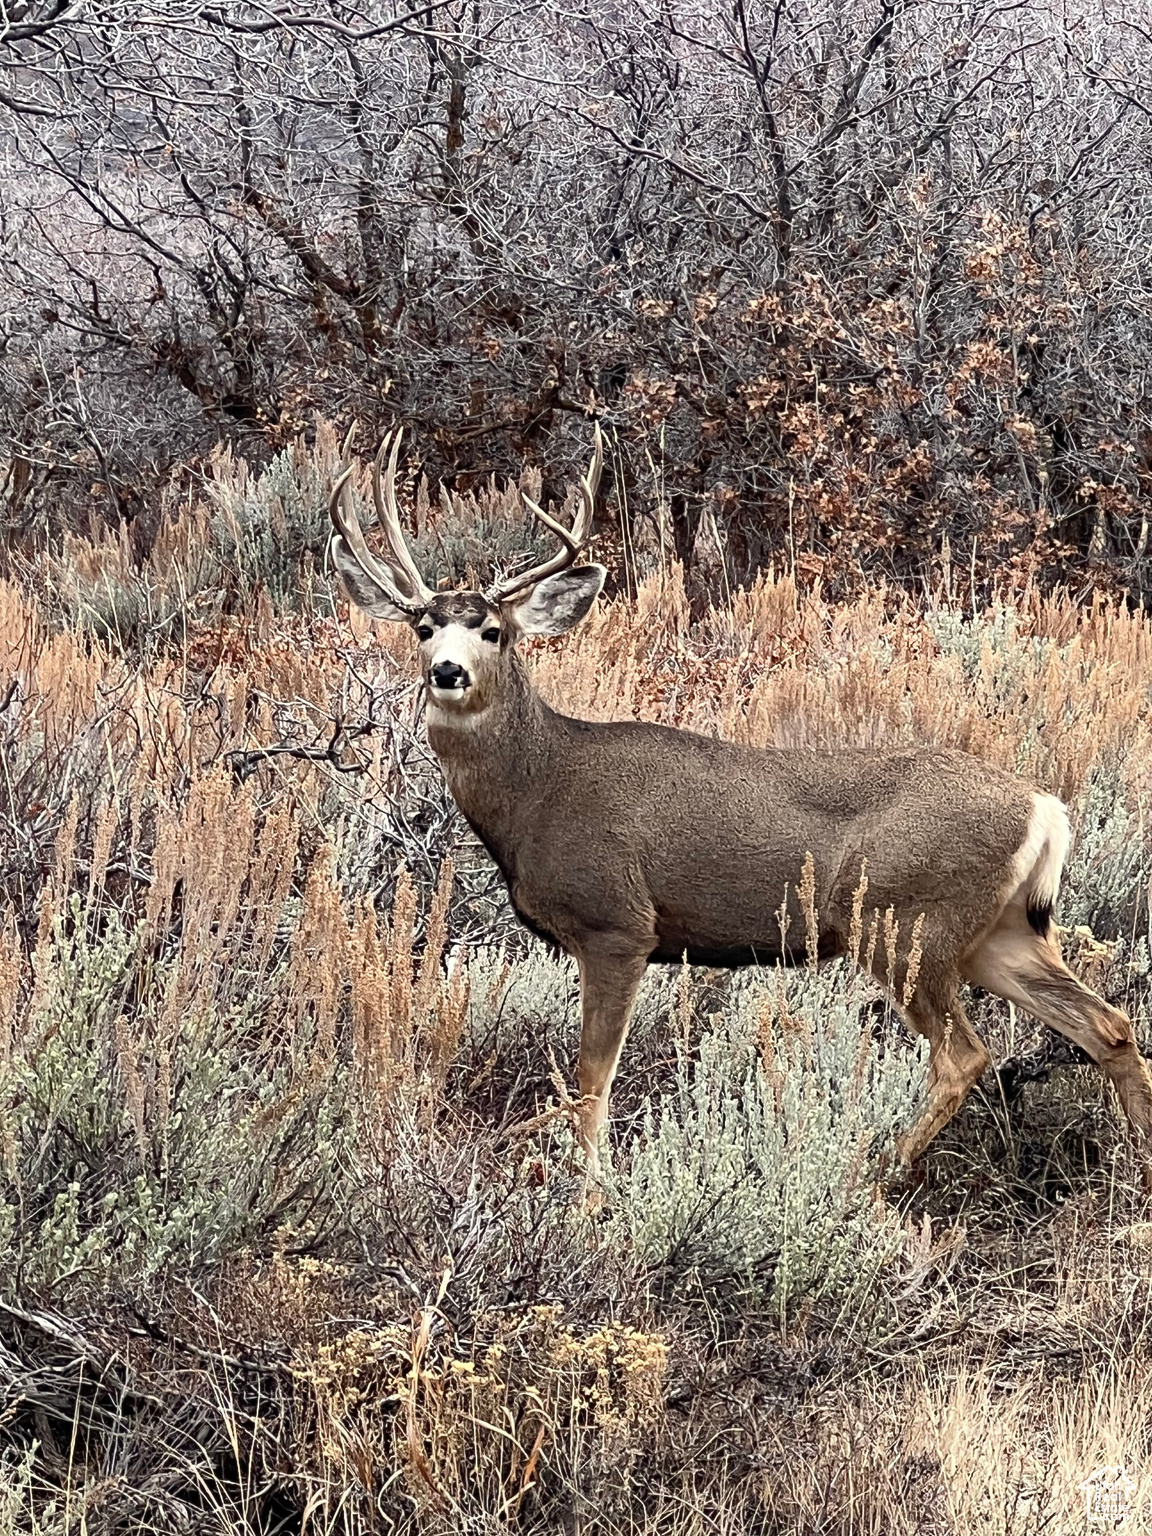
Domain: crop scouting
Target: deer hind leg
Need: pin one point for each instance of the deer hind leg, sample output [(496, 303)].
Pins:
[(1017, 963), (956, 1061), (610, 976)]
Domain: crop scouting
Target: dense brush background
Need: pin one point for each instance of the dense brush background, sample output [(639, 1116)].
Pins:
[(292, 1236), (846, 278)]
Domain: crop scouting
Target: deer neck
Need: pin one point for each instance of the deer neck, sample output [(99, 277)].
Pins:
[(496, 759)]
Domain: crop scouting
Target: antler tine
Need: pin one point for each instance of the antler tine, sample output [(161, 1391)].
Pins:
[(389, 514), (572, 539), (589, 484), (347, 525)]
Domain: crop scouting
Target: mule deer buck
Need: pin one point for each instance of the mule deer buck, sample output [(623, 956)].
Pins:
[(630, 843)]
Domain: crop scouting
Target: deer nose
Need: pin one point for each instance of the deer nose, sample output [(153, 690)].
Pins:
[(449, 674)]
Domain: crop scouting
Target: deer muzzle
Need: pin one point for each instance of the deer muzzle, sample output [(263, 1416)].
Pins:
[(449, 679)]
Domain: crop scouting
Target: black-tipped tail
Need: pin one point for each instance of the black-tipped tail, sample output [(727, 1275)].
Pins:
[(1040, 916)]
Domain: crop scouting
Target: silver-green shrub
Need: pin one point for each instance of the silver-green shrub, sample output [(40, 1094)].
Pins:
[(100, 586), (543, 987), (1105, 885), (482, 534), (271, 529), (121, 607), (135, 1142), (16, 1471), (767, 1164), (996, 630), (771, 1167)]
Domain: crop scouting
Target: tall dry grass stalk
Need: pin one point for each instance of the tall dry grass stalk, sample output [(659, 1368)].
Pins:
[(228, 930), (962, 1451)]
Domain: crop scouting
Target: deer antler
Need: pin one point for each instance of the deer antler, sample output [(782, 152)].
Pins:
[(401, 580), (388, 512), (572, 539)]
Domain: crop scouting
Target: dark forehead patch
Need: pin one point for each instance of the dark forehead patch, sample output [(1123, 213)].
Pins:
[(467, 608)]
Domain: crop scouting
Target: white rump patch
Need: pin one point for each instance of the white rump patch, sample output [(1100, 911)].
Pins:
[(1039, 862)]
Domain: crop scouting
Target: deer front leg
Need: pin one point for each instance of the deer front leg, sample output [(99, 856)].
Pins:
[(610, 976)]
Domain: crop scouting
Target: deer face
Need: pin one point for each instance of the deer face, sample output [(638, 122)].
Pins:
[(461, 637)]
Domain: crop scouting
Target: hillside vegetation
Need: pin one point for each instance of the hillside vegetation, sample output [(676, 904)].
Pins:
[(293, 1236)]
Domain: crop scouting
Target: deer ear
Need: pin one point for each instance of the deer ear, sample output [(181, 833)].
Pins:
[(363, 589), (556, 604)]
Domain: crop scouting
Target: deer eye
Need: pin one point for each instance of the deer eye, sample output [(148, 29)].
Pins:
[(490, 634), (424, 631)]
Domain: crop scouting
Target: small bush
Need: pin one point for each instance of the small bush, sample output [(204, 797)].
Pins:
[(142, 1135), (1105, 886), (766, 1159), (474, 537), (271, 529), (99, 587), (15, 1490), (991, 645)]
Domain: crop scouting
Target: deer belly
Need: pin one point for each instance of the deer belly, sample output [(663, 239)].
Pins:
[(716, 942), (727, 958), (736, 922)]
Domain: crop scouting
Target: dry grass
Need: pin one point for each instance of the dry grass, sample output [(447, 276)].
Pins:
[(291, 1225)]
